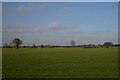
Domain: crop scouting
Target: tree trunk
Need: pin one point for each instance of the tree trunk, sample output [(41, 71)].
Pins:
[(17, 46)]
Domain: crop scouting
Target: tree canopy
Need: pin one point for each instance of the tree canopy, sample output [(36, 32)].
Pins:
[(108, 44), (17, 42)]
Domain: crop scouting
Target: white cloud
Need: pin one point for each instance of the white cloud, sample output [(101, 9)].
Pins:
[(66, 28), (55, 25)]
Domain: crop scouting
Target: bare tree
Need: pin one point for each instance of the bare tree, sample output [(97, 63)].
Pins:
[(6, 45), (73, 43), (34, 46)]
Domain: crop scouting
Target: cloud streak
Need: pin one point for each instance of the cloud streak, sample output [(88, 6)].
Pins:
[(69, 8), (19, 9), (26, 8), (21, 29)]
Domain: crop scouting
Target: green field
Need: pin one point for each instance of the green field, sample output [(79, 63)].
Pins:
[(60, 63)]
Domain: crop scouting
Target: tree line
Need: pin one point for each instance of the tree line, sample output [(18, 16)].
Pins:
[(16, 43)]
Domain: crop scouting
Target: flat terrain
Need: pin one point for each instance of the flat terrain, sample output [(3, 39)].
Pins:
[(60, 63)]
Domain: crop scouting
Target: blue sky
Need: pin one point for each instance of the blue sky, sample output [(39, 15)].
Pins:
[(57, 23), (60, 0)]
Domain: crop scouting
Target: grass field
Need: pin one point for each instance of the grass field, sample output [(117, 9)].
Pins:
[(60, 63)]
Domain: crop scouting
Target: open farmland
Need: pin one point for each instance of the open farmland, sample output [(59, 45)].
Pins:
[(60, 63)]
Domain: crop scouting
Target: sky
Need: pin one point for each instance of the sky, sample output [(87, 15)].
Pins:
[(60, 0), (57, 23)]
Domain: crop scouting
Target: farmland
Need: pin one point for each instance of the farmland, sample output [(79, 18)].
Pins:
[(60, 62)]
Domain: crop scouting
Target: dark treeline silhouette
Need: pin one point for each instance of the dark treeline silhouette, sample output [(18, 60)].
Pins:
[(59, 46), (16, 43)]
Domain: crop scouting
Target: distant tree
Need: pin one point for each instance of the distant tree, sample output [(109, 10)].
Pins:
[(48, 46), (42, 46), (108, 44), (34, 46), (17, 42), (73, 43), (6, 45), (100, 45)]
